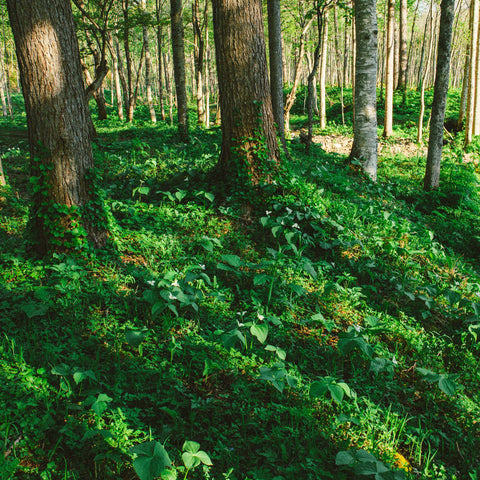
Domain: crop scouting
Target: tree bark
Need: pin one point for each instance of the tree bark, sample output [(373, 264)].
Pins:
[(389, 70), (403, 48), (250, 150), (178, 55), (58, 127), (199, 58), (158, 13), (276, 66), (322, 104), (148, 64), (435, 143), (365, 139)]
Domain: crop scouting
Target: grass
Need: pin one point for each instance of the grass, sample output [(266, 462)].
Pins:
[(336, 334)]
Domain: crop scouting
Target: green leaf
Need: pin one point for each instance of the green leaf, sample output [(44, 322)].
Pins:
[(100, 404), (344, 458), (135, 336), (152, 459), (318, 389), (204, 458), (336, 392), (260, 279), (61, 369), (35, 309), (447, 386), (169, 474), (190, 460), (191, 447), (233, 260), (260, 331), (207, 244), (80, 375)]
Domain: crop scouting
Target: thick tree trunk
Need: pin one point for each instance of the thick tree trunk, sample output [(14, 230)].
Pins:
[(250, 150), (276, 66), (58, 127), (435, 143), (365, 140), (178, 55), (389, 70)]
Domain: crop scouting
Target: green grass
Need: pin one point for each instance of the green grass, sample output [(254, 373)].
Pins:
[(275, 343)]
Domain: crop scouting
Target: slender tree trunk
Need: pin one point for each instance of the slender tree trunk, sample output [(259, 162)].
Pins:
[(424, 74), (178, 54), (365, 141), (403, 50), (340, 79), (3, 97), (199, 57), (58, 127), (276, 66), (116, 79), (389, 73), (148, 65), (322, 107), (463, 100), (158, 12), (97, 93), (129, 101), (207, 73), (296, 79), (435, 143), (250, 152), (410, 50)]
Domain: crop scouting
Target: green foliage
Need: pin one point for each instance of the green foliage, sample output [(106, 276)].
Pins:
[(313, 327)]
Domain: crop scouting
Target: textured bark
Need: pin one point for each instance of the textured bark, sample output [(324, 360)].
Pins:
[(403, 47), (148, 65), (158, 13), (129, 94), (178, 55), (365, 140), (322, 99), (248, 129), (57, 114), (116, 78), (199, 58), (435, 143), (276, 65), (389, 70)]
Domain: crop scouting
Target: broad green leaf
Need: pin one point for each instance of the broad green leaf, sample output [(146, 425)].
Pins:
[(169, 474), (35, 309), (233, 260), (336, 392), (61, 369), (364, 456), (260, 279), (191, 447), (143, 190), (152, 459), (309, 268), (135, 336), (204, 458), (318, 389), (260, 331), (207, 244), (100, 404), (79, 376), (190, 460), (344, 458), (429, 376), (180, 194), (447, 386), (366, 468)]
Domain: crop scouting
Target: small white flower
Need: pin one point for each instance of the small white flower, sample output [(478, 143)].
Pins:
[(357, 328), (171, 296), (394, 360), (202, 266), (289, 210), (282, 222), (175, 283), (295, 225), (268, 212), (260, 316), (151, 282)]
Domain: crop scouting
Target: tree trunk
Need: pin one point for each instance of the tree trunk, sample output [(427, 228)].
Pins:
[(207, 75), (424, 74), (158, 13), (322, 106), (129, 101), (148, 65), (199, 56), (365, 140), (402, 72), (276, 66), (435, 143), (389, 70), (250, 152), (58, 127), (296, 79), (116, 78), (178, 54)]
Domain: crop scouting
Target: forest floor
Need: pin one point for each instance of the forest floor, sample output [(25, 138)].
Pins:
[(334, 336)]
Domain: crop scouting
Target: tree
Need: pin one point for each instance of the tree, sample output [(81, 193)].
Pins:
[(148, 61), (389, 70), (435, 142), (276, 65), (64, 211), (178, 54), (248, 130), (364, 146)]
